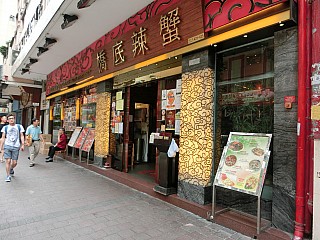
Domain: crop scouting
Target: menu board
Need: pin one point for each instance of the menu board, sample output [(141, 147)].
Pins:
[(244, 162), (74, 136), (81, 138), (88, 141)]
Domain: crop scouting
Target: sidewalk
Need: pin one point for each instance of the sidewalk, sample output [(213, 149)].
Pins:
[(61, 200)]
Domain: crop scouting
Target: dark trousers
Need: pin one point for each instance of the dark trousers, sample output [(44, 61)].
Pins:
[(52, 151)]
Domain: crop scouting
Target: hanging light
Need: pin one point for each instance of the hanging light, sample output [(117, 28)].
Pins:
[(68, 20)]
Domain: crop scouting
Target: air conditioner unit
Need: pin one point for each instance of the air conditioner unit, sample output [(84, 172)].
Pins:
[(84, 3)]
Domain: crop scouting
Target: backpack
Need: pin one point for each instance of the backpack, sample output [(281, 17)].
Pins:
[(19, 129)]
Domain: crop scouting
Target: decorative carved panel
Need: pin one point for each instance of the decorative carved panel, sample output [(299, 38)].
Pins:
[(220, 12), (102, 135), (196, 139)]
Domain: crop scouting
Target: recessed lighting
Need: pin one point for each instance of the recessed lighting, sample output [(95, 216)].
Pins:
[(176, 57), (215, 45), (281, 24), (245, 36)]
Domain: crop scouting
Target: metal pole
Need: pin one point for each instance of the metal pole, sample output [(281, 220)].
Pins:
[(213, 203), (259, 216)]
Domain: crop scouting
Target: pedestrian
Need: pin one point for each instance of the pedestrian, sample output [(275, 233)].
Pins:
[(13, 139), (60, 145), (2, 124), (35, 134)]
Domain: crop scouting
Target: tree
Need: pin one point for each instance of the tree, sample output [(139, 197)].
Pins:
[(4, 51)]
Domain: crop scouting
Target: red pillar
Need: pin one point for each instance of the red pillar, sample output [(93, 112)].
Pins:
[(302, 115)]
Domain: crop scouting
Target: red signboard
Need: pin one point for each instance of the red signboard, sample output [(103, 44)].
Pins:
[(188, 23), (218, 13)]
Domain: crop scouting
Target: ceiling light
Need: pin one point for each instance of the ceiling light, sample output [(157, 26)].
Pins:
[(41, 50), (281, 24), (68, 20), (245, 36), (24, 70), (33, 60), (49, 42), (215, 45), (84, 3)]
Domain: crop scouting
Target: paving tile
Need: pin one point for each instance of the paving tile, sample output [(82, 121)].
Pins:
[(63, 201)]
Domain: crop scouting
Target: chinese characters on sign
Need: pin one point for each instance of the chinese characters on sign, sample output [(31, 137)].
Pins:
[(118, 56), (102, 61), (168, 30), (169, 27), (139, 40)]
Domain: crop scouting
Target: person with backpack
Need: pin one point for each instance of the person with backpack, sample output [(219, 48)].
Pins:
[(2, 124), (13, 140), (36, 136)]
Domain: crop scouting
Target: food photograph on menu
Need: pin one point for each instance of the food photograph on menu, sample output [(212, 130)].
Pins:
[(244, 162), (89, 141), (81, 138)]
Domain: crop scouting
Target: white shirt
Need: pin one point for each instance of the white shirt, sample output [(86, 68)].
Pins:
[(12, 135)]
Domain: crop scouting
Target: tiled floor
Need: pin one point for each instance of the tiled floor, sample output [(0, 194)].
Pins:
[(61, 200)]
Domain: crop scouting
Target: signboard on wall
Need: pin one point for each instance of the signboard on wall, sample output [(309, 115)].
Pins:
[(220, 13), (244, 162), (161, 27)]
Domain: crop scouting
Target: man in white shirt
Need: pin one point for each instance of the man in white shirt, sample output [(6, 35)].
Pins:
[(13, 139)]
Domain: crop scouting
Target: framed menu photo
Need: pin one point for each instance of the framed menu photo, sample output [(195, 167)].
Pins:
[(244, 162), (88, 141), (80, 140), (74, 136)]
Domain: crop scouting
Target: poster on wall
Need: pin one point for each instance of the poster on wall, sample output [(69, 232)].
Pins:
[(70, 121), (88, 141), (80, 140), (74, 136), (170, 115), (244, 162), (171, 99), (177, 123), (178, 101), (178, 86)]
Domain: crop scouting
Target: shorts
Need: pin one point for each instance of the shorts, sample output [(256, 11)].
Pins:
[(11, 152)]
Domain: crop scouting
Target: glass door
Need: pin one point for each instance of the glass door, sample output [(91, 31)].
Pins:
[(245, 93)]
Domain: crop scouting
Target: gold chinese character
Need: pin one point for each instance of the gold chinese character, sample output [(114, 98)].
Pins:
[(139, 40), (169, 27), (102, 61), (118, 56)]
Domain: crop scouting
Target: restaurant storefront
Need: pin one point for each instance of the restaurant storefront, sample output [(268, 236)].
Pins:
[(186, 74)]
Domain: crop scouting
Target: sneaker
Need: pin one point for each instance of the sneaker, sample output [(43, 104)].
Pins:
[(49, 160), (31, 165), (47, 157), (11, 171), (8, 179), (29, 158)]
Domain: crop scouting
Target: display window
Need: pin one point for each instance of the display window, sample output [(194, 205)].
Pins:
[(88, 108), (245, 93), (170, 105), (70, 122)]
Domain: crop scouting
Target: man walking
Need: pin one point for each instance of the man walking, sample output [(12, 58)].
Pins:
[(36, 135), (13, 139)]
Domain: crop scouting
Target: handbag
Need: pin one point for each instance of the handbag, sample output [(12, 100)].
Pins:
[(28, 140)]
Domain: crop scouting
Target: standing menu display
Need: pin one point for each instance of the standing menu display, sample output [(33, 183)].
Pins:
[(244, 162), (74, 136), (88, 141), (81, 138)]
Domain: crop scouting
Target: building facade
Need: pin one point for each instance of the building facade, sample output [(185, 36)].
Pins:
[(194, 71)]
